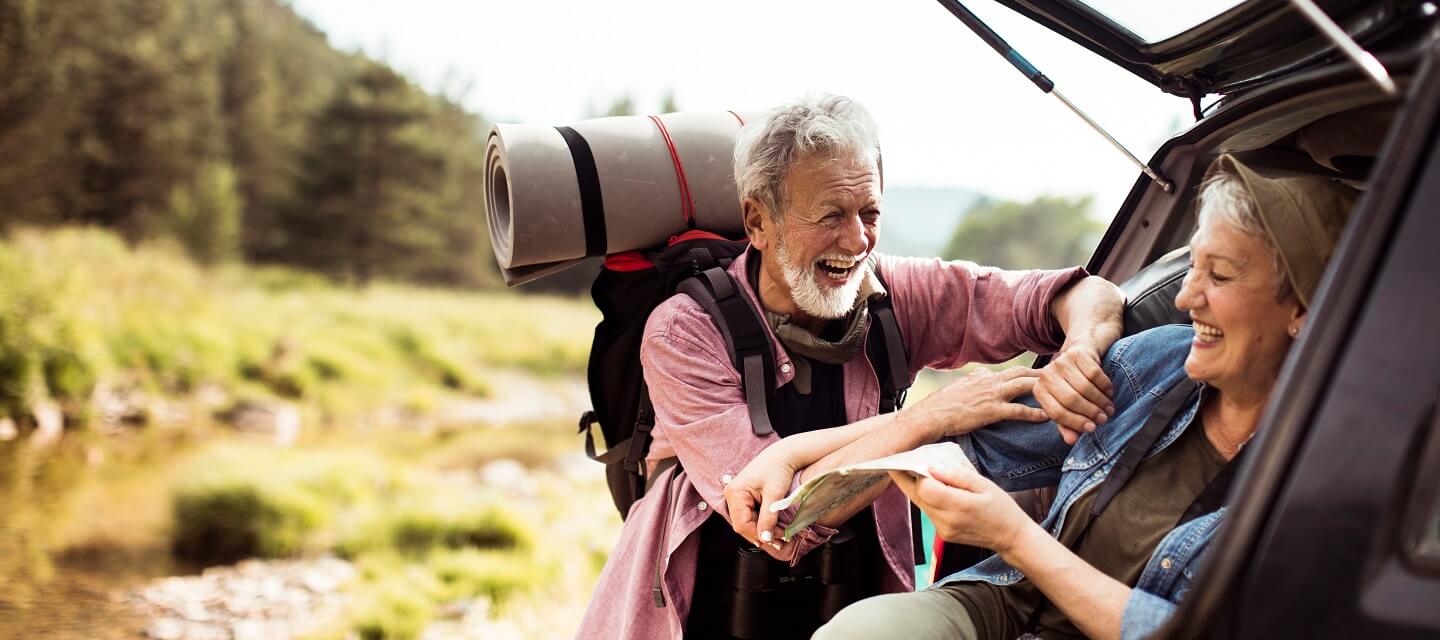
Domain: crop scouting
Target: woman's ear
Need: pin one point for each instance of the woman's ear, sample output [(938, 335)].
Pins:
[(1297, 321), (757, 221)]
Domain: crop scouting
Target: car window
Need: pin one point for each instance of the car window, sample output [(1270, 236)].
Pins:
[(1155, 21)]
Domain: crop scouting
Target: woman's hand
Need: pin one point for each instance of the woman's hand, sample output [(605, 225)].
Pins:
[(966, 507), (748, 496), (979, 398)]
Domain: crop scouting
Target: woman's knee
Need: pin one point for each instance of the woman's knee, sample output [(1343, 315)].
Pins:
[(919, 615)]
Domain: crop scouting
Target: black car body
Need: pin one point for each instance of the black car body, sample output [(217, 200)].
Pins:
[(1334, 529)]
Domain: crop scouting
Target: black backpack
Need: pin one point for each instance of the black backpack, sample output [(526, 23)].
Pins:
[(630, 286)]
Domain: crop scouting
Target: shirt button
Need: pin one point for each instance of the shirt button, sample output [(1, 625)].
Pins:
[(725, 479), (702, 506), (1165, 563), (785, 368)]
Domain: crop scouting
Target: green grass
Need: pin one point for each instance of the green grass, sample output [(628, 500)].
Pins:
[(80, 308), (420, 538), (396, 597)]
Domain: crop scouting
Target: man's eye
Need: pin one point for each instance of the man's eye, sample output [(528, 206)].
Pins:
[(1220, 278)]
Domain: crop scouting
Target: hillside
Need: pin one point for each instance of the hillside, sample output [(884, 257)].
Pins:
[(919, 221)]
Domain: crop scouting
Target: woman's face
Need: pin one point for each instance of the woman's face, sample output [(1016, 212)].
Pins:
[(1241, 330)]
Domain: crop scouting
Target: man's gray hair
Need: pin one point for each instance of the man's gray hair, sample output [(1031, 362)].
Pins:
[(1224, 198), (767, 150)]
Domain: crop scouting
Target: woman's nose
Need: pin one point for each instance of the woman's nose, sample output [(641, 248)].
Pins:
[(1189, 297)]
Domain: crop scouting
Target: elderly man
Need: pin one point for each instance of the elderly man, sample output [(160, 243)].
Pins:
[(808, 176)]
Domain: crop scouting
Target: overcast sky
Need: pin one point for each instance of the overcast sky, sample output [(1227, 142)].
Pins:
[(951, 112)]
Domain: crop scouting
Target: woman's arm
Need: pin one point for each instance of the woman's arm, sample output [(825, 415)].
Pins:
[(969, 509), (1092, 600)]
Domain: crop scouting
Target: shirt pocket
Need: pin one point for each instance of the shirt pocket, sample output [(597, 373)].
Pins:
[(1087, 452)]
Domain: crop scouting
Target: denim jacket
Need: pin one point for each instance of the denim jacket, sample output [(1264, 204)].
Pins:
[(1021, 455)]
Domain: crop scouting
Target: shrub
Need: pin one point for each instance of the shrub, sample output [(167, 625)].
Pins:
[(417, 530), (230, 520), (242, 501)]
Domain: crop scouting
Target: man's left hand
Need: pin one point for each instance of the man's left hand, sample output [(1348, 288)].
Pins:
[(1075, 392)]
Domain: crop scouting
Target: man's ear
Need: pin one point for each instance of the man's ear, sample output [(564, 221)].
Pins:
[(757, 222)]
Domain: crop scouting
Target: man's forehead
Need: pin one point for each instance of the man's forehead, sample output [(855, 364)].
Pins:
[(835, 173)]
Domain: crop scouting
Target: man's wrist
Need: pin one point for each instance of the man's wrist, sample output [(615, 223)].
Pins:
[(922, 426), (1097, 337)]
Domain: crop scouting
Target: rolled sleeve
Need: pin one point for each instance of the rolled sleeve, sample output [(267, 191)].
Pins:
[(808, 538), (700, 410), (956, 312), (1144, 614)]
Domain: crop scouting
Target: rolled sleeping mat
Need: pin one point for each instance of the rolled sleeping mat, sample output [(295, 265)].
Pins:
[(556, 195)]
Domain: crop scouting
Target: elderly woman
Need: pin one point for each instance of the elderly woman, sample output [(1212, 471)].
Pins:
[(1141, 496)]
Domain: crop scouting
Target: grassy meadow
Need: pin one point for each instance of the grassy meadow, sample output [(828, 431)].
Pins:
[(147, 356)]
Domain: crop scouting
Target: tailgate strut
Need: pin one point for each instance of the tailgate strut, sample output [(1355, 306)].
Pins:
[(1043, 83)]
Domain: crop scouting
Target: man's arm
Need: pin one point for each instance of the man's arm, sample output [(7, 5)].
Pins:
[(978, 399), (1088, 311)]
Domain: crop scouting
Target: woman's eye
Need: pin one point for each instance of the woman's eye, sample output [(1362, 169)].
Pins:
[(1220, 278)]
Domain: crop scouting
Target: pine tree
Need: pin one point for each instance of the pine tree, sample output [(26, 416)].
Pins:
[(367, 202)]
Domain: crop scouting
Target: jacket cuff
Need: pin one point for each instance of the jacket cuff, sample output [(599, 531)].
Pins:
[(1145, 613)]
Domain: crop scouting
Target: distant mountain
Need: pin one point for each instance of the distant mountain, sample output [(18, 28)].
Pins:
[(918, 221)]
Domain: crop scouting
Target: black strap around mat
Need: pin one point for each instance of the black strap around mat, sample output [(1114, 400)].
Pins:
[(592, 206)]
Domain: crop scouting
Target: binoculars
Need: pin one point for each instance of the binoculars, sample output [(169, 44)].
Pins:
[(772, 599)]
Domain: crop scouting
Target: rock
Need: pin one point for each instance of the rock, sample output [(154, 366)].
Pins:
[(166, 629), (49, 424), (508, 475), (254, 599), (279, 422)]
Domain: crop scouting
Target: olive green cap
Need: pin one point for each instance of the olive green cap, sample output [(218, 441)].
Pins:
[(1303, 216)]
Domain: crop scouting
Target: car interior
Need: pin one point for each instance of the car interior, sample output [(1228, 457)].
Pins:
[(1336, 132)]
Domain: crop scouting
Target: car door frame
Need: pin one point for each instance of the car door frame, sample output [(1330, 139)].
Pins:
[(1306, 549)]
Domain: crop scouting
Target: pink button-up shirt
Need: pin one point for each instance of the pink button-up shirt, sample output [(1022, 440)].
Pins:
[(949, 313)]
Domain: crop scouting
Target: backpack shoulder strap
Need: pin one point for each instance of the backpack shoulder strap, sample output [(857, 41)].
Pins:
[(889, 352), (745, 338)]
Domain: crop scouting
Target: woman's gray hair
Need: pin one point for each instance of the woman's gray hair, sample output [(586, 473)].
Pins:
[(1224, 198), (767, 150)]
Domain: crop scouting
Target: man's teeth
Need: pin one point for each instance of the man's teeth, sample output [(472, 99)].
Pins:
[(837, 269), (1208, 333)]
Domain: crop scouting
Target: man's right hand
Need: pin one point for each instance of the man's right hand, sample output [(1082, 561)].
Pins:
[(979, 398), (748, 495)]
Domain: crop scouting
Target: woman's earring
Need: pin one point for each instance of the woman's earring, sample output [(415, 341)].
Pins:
[(1294, 332)]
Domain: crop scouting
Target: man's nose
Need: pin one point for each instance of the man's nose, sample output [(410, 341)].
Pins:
[(853, 238)]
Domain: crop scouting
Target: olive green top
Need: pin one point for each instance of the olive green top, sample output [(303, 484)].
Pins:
[(1119, 543)]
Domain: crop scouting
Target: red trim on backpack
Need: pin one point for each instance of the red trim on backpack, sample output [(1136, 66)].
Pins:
[(687, 206), (628, 261), (695, 234)]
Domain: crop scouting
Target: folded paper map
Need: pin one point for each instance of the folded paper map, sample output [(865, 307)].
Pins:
[(833, 488)]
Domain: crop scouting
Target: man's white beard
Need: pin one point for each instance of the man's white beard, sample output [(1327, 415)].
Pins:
[(805, 290)]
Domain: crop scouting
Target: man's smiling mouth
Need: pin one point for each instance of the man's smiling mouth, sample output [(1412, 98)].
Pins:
[(837, 269)]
